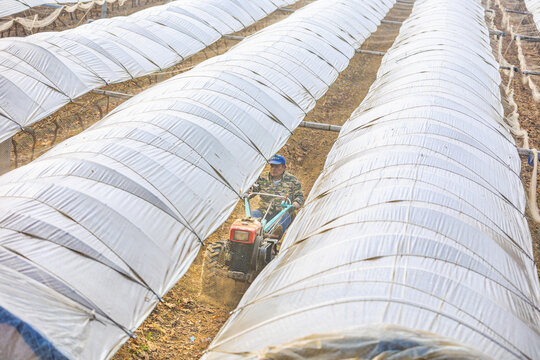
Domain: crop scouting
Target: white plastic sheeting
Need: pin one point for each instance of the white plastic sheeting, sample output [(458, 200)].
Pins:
[(41, 73), (416, 223), (534, 7), (94, 229)]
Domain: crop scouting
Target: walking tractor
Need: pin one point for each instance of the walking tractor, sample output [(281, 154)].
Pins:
[(251, 245)]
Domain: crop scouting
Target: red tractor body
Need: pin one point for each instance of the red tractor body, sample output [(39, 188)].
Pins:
[(250, 247), (245, 230)]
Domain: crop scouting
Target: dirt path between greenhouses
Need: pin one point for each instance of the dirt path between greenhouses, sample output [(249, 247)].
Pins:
[(183, 326)]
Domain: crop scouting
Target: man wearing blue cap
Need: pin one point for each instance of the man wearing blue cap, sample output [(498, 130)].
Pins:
[(278, 182)]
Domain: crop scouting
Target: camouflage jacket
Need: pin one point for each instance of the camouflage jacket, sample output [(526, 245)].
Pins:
[(288, 186)]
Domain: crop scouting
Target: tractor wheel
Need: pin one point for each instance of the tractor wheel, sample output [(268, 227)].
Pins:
[(216, 284), (213, 268)]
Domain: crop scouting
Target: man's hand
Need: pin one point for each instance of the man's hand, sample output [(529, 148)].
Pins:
[(296, 205), (248, 195)]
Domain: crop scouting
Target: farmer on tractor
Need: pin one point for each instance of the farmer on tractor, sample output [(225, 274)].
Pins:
[(277, 182), (254, 238)]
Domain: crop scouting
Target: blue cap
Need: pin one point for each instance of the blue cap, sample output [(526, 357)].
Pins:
[(277, 160)]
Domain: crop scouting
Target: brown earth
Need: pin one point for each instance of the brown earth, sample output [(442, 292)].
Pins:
[(184, 324)]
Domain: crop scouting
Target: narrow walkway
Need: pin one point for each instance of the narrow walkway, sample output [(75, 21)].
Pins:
[(183, 326)]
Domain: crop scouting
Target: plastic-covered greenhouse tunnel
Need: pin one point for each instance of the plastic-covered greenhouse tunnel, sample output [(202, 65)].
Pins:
[(42, 72), (412, 244)]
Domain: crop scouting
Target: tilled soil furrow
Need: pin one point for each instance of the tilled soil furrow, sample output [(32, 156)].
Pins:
[(186, 333)]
